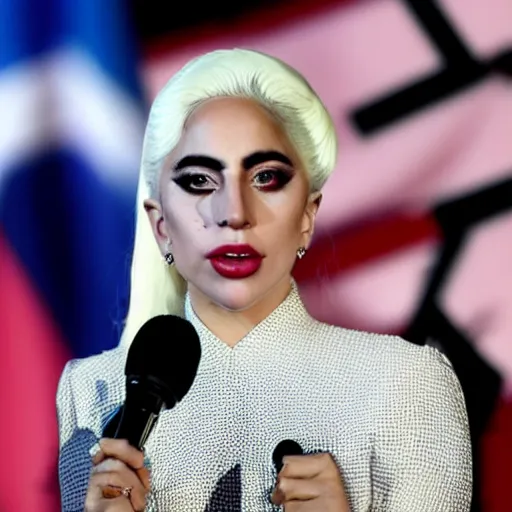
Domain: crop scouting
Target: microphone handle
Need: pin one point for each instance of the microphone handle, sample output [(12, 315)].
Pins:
[(141, 409), (284, 448), (135, 424)]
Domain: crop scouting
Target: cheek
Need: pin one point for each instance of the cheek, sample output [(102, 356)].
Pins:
[(288, 207), (184, 224), (287, 224)]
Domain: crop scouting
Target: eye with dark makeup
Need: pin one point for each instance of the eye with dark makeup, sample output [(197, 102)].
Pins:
[(266, 180), (197, 184), (271, 180)]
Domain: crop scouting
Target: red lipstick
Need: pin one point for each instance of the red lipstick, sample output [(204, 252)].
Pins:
[(235, 261)]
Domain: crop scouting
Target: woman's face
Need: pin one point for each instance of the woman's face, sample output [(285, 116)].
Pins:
[(234, 203)]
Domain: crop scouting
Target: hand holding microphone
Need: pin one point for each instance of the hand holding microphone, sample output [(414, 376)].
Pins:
[(307, 483), (160, 368), (119, 480)]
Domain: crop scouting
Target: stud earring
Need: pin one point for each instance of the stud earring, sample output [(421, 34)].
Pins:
[(301, 252), (168, 257)]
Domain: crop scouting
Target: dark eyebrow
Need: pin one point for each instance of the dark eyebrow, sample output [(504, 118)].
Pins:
[(206, 162), (250, 161), (260, 157)]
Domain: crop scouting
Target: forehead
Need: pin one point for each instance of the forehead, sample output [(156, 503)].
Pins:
[(233, 126)]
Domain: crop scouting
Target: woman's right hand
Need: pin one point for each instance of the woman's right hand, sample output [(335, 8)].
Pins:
[(119, 480)]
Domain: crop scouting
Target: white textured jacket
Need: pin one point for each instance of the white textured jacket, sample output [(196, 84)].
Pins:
[(391, 413)]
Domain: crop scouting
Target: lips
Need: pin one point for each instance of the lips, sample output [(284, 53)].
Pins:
[(235, 261)]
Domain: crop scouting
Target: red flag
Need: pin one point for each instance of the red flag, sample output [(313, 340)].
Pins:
[(32, 360)]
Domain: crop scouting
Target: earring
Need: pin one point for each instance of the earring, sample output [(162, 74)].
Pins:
[(168, 257), (301, 252)]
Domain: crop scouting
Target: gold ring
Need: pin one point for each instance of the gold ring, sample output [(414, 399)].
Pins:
[(113, 491)]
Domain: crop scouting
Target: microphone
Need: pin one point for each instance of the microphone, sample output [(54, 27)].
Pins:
[(160, 368), (284, 448)]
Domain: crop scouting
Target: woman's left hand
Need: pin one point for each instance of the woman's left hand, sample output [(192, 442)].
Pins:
[(310, 483)]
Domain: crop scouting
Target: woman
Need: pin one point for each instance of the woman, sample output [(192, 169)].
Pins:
[(236, 152)]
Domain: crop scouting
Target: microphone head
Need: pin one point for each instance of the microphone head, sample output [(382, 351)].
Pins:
[(166, 351), (284, 448)]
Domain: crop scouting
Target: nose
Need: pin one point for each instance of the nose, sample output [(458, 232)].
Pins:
[(230, 208)]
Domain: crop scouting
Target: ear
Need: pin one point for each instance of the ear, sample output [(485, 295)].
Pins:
[(309, 217), (157, 221)]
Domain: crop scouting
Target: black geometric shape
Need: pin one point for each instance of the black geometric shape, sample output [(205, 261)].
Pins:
[(462, 213), (395, 106), (502, 63), (480, 382), (461, 71), (455, 219), (442, 35), (227, 495)]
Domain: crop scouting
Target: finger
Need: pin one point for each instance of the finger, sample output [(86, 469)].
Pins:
[(130, 478), (96, 454), (144, 477), (104, 482), (112, 465), (121, 504), (297, 489), (110, 485), (122, 450), (307, 466), (302, 506)]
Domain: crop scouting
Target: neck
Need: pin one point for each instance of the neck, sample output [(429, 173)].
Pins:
[(231, 326)]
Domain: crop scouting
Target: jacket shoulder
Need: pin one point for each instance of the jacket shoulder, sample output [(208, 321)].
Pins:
[(384, 356), (90, 388), (89, 391)]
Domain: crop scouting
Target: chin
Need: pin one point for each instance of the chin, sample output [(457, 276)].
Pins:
[(237, 295)]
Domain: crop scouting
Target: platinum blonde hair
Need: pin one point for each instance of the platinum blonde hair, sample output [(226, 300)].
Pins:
[(155, 287)]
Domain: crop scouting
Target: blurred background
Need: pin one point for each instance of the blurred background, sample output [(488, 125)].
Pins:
[(415, 229)]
